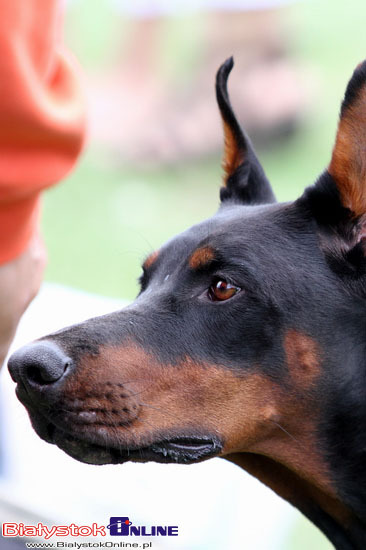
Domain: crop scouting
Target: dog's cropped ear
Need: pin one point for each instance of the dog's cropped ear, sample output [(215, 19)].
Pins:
[(244, 178), (338, 199)]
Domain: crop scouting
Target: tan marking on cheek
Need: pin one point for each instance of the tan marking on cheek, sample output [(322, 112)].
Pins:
[(201, 257), (233, 157), (348, 164), (150, 260), (302, 357), (247, 411)]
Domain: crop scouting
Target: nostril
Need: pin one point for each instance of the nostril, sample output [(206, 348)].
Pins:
[(39, 364), (40, 376), (33, 374)]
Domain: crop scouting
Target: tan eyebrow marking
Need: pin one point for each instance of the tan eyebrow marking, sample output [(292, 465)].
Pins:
[(151, 259), (201, 257)]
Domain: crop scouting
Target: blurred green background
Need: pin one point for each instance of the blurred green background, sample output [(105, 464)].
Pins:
[(113, 211)]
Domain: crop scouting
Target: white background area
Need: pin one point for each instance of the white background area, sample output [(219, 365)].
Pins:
[(216, 505)]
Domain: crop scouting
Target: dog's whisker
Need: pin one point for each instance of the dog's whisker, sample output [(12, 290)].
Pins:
[(286, 432)]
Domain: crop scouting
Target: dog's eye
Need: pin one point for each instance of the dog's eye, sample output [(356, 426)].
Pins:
[(222, 290)]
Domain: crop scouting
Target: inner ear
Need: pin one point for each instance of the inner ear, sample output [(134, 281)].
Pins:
[(244, 178), (348, 163)]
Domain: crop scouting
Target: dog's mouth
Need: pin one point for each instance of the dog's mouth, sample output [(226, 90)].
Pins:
[(180, 450), (96, 448)]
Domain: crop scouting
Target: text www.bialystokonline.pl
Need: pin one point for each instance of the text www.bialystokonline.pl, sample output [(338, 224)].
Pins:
[(81, 545)]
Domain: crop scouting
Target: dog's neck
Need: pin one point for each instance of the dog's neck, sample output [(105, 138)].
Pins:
[(320, 507), (333, 517)]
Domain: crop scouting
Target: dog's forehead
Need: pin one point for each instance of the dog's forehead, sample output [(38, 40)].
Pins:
[(231, 224)]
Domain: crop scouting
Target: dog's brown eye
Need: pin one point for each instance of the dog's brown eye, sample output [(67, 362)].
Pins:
[(222, 290)]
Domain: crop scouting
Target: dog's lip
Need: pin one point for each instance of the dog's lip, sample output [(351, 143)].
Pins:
[(187, 448), (180, 450)]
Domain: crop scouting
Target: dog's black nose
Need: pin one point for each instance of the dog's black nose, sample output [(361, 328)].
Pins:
[(38, 364)]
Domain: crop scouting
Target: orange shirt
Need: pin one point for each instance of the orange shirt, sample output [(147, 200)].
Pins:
[(42, 117)]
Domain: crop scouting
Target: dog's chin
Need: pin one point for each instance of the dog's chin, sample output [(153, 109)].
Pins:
[(84, 451), (184, 448)]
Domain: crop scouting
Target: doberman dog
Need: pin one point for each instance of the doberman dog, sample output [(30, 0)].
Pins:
[(247, 340)]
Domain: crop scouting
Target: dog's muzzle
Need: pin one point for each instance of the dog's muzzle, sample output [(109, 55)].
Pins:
[(92, 433)]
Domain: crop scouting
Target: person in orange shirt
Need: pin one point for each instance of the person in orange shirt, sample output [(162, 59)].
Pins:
[(42, 128)]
